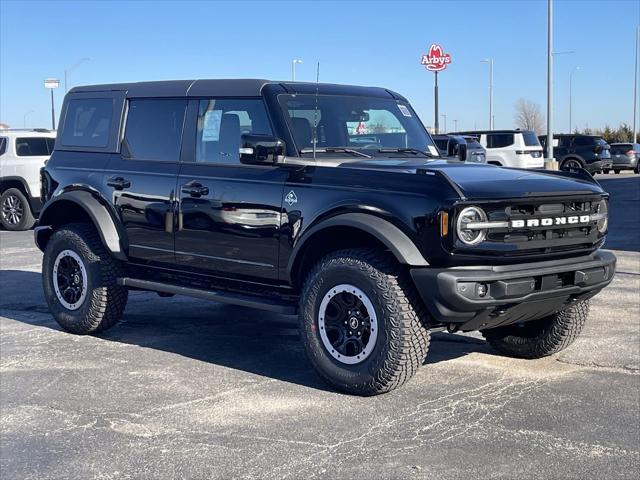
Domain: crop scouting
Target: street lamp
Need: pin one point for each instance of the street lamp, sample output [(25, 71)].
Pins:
[(51, 84), (571, 95), (24, 118), (71, 69), (444, 117), (293, 68), (490, 62), (455, 125)]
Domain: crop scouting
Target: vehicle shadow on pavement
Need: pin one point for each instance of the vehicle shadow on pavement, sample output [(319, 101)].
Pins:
[(261, 343)]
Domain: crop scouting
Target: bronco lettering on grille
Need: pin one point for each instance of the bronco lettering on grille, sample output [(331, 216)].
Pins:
[(547, 222)]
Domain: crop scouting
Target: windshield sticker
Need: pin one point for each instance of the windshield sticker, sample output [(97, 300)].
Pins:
[(434, 151), (211, 126), (405, 111)]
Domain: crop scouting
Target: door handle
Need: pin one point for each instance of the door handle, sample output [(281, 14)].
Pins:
[(119, 183), (195, 189)]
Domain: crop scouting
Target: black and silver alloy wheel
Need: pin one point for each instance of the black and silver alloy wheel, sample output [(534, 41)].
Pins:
[(12, 209), (348, 324), (571, 164), (69, 279), (361, 321)]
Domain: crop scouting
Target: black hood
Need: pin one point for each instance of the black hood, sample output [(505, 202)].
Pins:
[(491, 182)]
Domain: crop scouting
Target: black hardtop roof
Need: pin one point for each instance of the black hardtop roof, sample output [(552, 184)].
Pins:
[(231, 88)]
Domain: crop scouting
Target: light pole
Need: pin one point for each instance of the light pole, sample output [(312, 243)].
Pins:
[(444, 117), (490, 62), (455, 125), (635, 87), (71, 69), (550, 163), (571, 96), (24, 118), (293, 68), (52, 84)]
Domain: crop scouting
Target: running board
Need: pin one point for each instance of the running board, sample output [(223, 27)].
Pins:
[(249, 301)]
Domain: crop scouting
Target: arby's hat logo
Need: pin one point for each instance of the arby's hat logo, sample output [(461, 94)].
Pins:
[(436, 60)]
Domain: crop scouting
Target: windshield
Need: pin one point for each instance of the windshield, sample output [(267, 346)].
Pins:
[(370, 126)]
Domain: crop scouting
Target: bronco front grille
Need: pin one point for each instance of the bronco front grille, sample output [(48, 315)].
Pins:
[(526, 227)]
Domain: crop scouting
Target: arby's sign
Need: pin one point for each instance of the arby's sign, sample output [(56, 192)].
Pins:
[(436, 60)]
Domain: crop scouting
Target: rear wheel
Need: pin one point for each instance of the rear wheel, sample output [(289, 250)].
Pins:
[(571, 164), (616, 171), (540, 338), (79, 279), (15, 211), (362, 324), (605, 171)]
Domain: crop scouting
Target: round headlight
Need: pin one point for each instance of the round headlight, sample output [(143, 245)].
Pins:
[(603, 222), (467, 217)]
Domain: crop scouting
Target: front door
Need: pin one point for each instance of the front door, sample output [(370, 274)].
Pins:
[(142, 178), (229, 213)]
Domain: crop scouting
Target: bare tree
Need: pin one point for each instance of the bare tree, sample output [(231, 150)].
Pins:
[(529, 116)]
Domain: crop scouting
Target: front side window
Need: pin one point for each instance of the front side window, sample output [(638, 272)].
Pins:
[(3, 145), (371, 126), (87, 123), (154, 129), (33, 147), (499, 140), (221, 124)]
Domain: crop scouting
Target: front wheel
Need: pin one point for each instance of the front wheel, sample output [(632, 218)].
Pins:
[(15, 211), (540, 338), (362, 324), (79, 279)]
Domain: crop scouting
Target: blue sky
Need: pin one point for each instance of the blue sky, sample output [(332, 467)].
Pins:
[(365, 43)]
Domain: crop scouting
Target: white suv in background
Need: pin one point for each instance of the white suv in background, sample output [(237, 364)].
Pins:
[(22, 154), (510, 148)]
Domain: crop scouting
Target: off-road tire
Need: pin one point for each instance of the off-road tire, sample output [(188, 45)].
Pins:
[(617, 172), (605, 171), (27, 220), (403, 336), (540, 338), (105, 300)]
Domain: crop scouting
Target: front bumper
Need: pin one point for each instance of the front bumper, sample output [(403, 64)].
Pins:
[(514, 293)]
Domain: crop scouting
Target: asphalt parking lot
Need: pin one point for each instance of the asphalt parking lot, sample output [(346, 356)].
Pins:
[(194, 389)]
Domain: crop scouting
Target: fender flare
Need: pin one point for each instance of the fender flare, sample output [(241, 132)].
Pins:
[(98, 213), (386, 232)]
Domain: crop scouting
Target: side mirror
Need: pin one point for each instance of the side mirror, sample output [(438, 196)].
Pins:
[(457, 147), (462, 152), (260, 149)]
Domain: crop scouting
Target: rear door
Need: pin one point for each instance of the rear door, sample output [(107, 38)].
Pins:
[(229, 213), (142, 177)]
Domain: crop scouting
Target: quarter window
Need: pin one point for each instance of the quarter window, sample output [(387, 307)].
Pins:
[(34, 147), (221, 124), (154, 129), (87, 123), (3, 145)]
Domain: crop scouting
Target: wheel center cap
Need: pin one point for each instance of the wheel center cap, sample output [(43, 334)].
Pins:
[(76, 278), (353, 323)]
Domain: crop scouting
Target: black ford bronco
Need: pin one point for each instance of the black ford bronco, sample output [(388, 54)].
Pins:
[(326, 201)]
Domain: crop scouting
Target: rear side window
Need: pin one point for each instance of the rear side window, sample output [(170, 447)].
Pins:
[(584, 141), (3, 145), (499, 140), (154, 129), (441, 143), (33, 147), (87, 123), (530, 139)]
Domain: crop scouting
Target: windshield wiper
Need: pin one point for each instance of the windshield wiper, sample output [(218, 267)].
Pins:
[(413, 151), (336, 150)]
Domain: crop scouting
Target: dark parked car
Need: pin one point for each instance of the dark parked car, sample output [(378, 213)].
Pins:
[(590, 152), (449, 147), (625, 156), (318, 200)]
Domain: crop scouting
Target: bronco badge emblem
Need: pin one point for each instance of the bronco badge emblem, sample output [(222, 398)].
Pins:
[(291, 198)]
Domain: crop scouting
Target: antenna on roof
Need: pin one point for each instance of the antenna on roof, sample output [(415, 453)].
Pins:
[(315, 113)]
